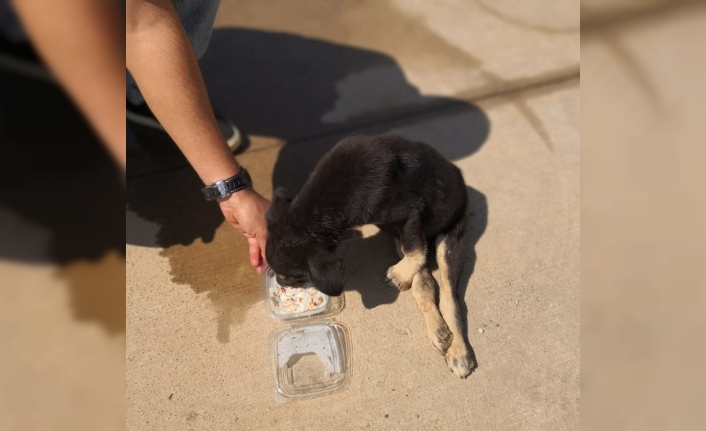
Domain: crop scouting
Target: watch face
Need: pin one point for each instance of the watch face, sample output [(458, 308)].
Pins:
[(222, 189)]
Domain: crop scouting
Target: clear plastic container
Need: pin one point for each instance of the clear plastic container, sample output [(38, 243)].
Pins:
[(331, 305), (311, 354), (310, 360)]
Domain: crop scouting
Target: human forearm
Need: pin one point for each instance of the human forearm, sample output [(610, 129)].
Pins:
[(162, 61)]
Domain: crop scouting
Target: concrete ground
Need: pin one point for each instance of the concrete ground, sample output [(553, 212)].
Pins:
[(642, 215), (495, 87)]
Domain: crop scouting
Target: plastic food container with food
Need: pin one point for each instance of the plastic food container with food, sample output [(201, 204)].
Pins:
[(273, 304), (310, 351)]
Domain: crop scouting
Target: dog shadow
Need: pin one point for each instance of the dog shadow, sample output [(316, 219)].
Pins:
[(477, 223), (367, 255)]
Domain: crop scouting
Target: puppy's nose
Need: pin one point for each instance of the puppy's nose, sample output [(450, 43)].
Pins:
[(291, 282), (284, 281)]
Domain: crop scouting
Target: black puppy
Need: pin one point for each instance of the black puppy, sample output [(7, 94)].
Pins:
[(404, 187)]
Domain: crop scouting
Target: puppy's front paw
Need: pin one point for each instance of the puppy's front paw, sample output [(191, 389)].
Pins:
[(458, 359), (440, 337), (398, 278)]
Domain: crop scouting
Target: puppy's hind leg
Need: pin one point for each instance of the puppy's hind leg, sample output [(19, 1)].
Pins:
[(423, 290), (414, 251), (449, 256)]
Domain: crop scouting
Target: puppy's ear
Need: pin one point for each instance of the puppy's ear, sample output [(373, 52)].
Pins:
[(280, 205), (282, 194), (327, 273)]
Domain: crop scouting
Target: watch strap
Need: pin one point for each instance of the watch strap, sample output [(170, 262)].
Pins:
[(228, 186)]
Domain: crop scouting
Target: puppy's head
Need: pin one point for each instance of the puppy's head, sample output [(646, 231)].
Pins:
[(296, 257)]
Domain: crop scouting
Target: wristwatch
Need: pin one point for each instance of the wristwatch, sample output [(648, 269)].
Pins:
[(227, 187)]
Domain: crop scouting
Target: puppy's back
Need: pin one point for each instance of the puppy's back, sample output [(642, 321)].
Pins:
[(365, 176)]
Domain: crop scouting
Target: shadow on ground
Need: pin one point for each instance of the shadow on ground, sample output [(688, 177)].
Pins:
[(61, 198), (477, 223), (368, 258), (308, 93)]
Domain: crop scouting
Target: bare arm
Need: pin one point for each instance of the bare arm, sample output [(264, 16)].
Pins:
[(162, 61)]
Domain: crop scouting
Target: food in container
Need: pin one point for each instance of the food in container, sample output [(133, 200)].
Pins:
[(289, 300)]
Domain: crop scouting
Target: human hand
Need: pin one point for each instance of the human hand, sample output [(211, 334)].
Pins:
[(245, 210)]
